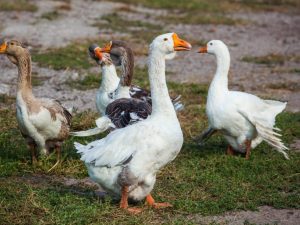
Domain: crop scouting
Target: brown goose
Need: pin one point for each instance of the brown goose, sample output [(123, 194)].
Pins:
[(44, 123)]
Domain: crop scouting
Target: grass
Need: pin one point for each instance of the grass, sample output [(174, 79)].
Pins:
[(140, 31), (50, 15), (216, 5), (89, 81), (270, 59), (17, 5), (73, 56), (200, 180)]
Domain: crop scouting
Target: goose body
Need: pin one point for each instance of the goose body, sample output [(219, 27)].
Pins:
[(126, 161), (44, 123), (244, 119)]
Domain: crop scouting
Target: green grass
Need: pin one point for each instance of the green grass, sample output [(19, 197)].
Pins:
[(267, 59), (73, 56), (200, 180), (216, 5), (17, 5), (89, 81), (272, 59), (140, 31), (50, 15)]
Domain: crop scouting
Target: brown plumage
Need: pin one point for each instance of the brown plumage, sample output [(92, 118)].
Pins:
[(45, 123)]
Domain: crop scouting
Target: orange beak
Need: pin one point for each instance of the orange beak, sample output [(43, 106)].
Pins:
[(3, 47), (98, 53), (107, 47), (180, 45), (203, 49)]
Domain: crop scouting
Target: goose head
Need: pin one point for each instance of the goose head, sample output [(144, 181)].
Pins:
[(13, 49), (120, 52), (215, 47), (168, 44), (99, 56)]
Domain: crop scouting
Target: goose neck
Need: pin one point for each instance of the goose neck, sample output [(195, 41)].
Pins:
[(220, 80), (110, 79), (24, 74), (161, 102)]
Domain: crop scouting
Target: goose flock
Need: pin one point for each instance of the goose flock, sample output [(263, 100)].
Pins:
[(144, 131)]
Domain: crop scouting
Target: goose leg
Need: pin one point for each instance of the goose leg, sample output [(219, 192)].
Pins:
[(230, 150), (248, 148), (58, 155), (150, 201), (33, 153), (205, 135), (124, 201)]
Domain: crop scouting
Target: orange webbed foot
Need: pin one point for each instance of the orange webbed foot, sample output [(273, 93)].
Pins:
[(161, 205), (150, 202)]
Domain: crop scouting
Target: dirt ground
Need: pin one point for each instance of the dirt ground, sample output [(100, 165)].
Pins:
[(266, 33)]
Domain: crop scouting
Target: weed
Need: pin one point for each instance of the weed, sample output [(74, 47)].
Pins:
[(17, 5)]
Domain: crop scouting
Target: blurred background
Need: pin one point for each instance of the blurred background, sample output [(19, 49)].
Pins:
[(262, 35)]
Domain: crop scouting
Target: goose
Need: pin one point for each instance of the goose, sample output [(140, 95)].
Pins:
[(126, 161), (118, 53), (245, 120), (44, 123), (109, 82), (132, 103)]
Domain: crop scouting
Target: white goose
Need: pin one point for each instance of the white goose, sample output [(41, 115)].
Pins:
[(109, 82), (126, 161), (244, 119)]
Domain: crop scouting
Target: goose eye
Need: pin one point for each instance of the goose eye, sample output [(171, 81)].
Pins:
[(211, 43), (165, 39)]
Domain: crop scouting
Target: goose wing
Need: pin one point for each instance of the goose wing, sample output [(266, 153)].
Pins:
[(125, 111)]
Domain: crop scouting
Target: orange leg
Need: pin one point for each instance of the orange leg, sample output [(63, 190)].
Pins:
[(124, 202), (150, 201), (248, 148), (124, 198), (230, 150)]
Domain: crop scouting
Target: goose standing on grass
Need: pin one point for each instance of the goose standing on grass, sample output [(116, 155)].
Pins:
[(132, 103), (244, 119), (44, 123), (126, 161)]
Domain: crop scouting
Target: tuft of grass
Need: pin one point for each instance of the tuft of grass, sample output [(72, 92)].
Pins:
[(217, 6), (6, 99), (89, 81), (17, 5), (203, 18), (272, 59), (73, 56), (117, 23), (50, 15)]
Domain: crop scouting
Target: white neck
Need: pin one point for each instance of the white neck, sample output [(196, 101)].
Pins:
[(219, 83), (110, 79), (161, 102)]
